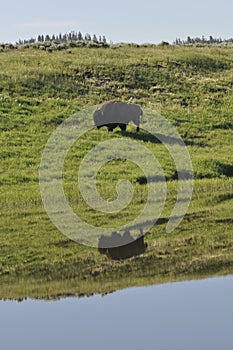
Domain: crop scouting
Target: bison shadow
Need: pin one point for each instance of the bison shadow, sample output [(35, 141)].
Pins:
[(158, 138), (181, 176)]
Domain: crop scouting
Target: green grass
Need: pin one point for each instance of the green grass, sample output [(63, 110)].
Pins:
[(191, 87)]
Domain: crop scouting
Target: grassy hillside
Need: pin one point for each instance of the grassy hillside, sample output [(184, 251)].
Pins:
[(191, 87)]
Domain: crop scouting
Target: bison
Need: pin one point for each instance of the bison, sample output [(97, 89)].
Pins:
[(116, 113)]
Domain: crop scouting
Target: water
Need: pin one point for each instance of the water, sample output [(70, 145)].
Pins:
[(185, 315)]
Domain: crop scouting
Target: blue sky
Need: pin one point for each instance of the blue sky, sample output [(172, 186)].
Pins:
[(128, 21)]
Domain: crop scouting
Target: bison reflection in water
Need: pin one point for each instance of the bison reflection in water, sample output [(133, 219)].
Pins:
[(116, 113), (119, 247)]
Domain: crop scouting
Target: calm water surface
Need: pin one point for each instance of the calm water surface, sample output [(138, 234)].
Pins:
[(184, 315)]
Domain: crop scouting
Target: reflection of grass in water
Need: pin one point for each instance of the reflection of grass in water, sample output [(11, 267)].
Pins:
[(195, 96), (34, 249)]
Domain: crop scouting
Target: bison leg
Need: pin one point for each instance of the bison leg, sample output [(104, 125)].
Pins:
[(122, 127), (112, 126)]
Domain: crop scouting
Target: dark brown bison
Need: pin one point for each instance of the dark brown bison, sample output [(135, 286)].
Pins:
[(116, 113)]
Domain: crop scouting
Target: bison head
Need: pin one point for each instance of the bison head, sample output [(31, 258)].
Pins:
[(97, 116)]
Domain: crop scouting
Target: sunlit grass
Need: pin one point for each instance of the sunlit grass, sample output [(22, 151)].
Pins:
[(191, 87)]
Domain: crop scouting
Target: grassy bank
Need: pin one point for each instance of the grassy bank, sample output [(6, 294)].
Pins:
[(191, 87)]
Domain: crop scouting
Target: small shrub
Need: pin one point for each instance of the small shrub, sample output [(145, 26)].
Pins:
[(61, 47), (164, 44), (72, 44)]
